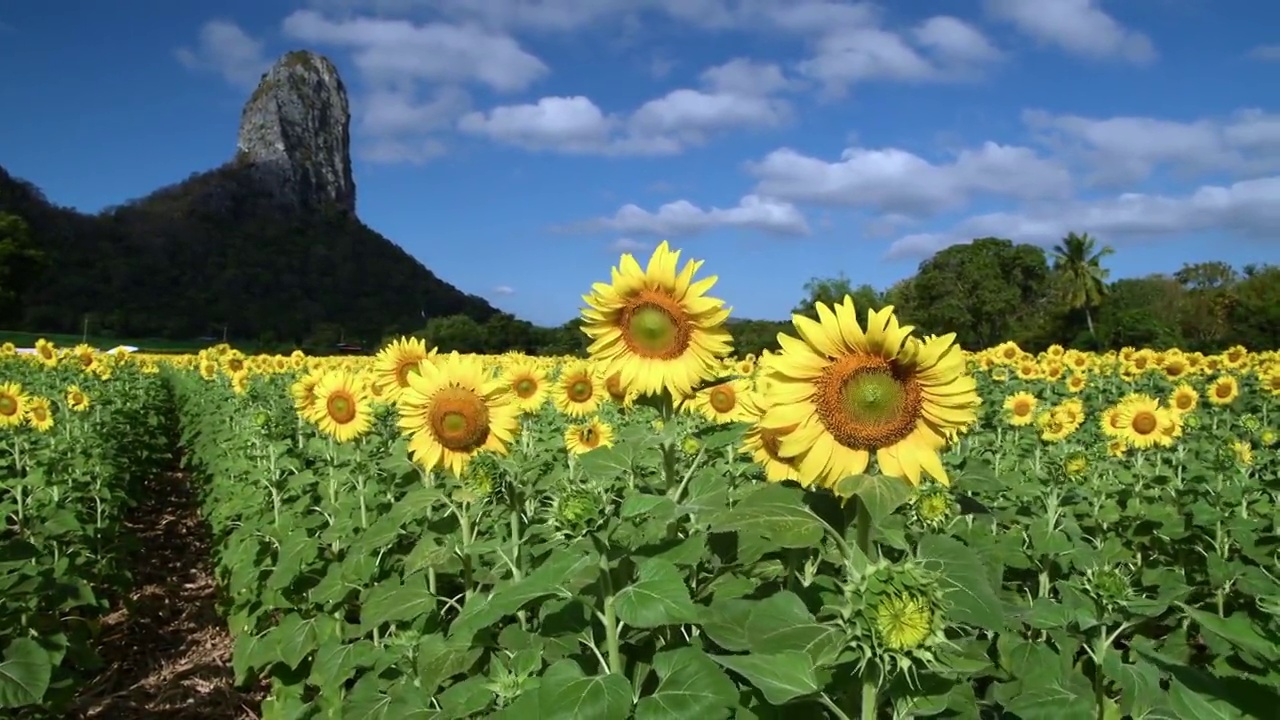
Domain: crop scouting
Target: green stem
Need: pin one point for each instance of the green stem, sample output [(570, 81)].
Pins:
[(862, 536), (513, 524), (613, 649)]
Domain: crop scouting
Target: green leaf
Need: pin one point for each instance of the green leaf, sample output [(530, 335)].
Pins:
[(440, 658), (24, 674), (659, 597), (652, 507), (973, 600), (776, 512), (691, 685), (781, 677), (393, 600), (561, 574), (566, 694), (882, 494), (1238, 630)]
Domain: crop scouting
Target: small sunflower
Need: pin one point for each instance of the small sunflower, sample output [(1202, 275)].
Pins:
[(1224, 390), (656, 326), (1021, 407), (527, 381), (40, 414), (13, 405), (577, 392), (850, 393), (343, 409), (77, 399), (394, 363), (904, 620), (303, 392), (588, 436), (1184, 398), (453, 411), (726, 402)]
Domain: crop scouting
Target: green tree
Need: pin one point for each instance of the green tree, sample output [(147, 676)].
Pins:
[(20, 264), (833, 290), (1142, 312), (1208, 304), (459, 333), (1255, 312), (985, 291), (1077, 261)]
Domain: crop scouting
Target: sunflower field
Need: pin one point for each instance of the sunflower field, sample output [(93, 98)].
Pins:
[(867, 523)]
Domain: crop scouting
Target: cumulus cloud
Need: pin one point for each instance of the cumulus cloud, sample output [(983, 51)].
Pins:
[(683, 218), (735, 95), (1248, 209), (1127, 149), (223, 47), (1079, 27), (504, 290), (895, 181)]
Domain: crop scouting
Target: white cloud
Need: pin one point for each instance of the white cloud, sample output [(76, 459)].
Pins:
[(504, 290), (736, 96), (682, 218), (627, 245), (1078, 26), (1128, 149), (956, 40), (892, 180), (223, 47), (1249, 209), (398, 50), (390, 151), (1265, 52)]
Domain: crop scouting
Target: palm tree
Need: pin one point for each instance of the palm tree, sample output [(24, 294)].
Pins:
[(1078, 261)]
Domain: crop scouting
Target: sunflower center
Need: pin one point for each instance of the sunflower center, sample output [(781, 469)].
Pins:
[(580, 390), (459, 419), (1184, 402), (341, 408), (655, 327), (8, 406), (771, 441), (722, 399), (1222, 390), (1022, 408), (588, 436), (402, 372), (867, 403), (525, 388), (613, 384), (1144, 423)]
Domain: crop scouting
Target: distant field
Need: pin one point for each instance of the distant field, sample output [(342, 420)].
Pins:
[(23, 339)]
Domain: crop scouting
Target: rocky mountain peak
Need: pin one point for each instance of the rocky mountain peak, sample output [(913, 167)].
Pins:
[(295, 133)]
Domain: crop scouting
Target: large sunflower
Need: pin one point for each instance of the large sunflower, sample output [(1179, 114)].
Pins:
[(453, 410), (343, 409), (394, 363), (13, 405), (656, 327), (851, 393), (578, 390)]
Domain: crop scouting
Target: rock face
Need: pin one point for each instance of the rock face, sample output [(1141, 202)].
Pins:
[(295, 133)]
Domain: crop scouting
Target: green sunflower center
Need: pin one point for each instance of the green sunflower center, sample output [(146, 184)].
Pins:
[(525, 387), (865, 402), (655, 326), (580, 390), (904, 621), (652, 329), (875, 396), (341, 408)]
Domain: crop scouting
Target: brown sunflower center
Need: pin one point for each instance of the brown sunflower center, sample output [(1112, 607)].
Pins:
[(1022, 407), (525, 388), (722, 398), (1222, 390), (8, 405), (341, 407), (865, 402), (402, 372), (1183, 401), (613, 384), (655, 326), (1144, 422), (589, 436), (1274, 381), (580, 390), (459, 419), (39, 413)]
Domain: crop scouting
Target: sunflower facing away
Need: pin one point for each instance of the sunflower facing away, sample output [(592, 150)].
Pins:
[(655, 326), (452, 411), (850, 393), (343, 409)]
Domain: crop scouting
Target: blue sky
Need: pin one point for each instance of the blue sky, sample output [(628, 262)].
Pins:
[(517, 146)]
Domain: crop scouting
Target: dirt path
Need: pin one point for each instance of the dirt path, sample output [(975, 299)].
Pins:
[(167, 653)]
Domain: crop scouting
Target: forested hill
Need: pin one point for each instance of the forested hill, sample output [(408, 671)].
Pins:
[(213, 252)]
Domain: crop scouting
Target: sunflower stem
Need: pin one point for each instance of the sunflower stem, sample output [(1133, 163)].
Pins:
[(517, 572), (608, 615), (862, 537)]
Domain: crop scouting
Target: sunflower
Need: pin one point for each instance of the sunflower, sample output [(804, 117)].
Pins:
[(527, 381), (240, 381), (343, 409), (850, 393), (1076, 382), (726, 402), (1224, 390), (394, 363), (762, 444), (1184, 398), (304, 392), (656, 326), (452, 410), (40, 414), (1269, 380), (13, 405), (1243, 452), (904, 620), (1143, 423), (77, 400), (588, 436), (1021, 407), (577, 392), (46, 353), (617, 393)]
